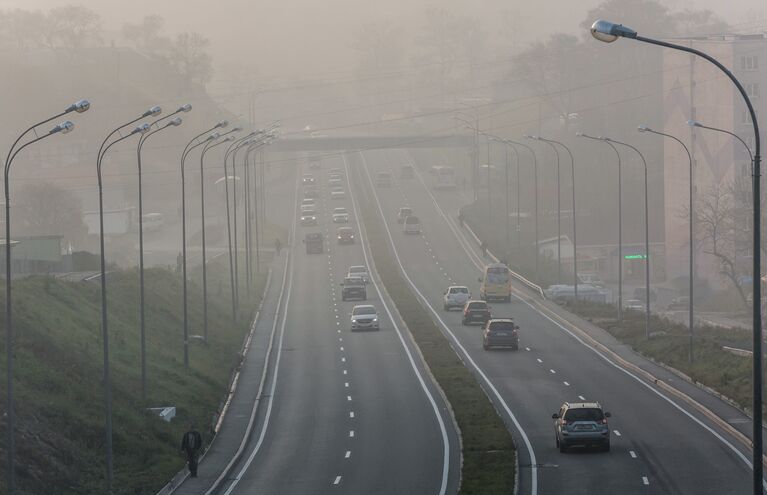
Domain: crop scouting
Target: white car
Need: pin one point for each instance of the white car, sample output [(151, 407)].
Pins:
[(359, 271), (455, 296), (308, 201), (338, 195), (364, 317), (412, 225)]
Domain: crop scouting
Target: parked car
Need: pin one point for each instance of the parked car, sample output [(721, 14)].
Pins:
[(476, 312), (353, 288), (455, 296), (364, 317), (345, 235), (679, 303), (634, 304), (359, 271), (403, 213), (640, 293), (591, 279), (500, 332), (581, 423)]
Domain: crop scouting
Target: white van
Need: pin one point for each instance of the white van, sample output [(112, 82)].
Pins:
[(412, 225)]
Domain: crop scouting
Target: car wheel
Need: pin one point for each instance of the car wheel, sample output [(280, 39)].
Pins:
[(606, 447), (463, 322), (562, 447), (343, 298), (515, 347), (508, 299), (486, 347)]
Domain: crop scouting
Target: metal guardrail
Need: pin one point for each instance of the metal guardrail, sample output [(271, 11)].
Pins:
[(520, 278)]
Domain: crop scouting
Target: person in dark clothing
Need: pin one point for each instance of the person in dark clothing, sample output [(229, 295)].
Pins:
[(277, 246), (483, 247), (191, 444)]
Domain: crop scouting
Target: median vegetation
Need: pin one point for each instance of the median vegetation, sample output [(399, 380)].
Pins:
[(58, 368), (488, 448)]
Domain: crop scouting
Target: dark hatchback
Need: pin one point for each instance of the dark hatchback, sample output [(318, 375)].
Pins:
[(353, 288), (476, 312)]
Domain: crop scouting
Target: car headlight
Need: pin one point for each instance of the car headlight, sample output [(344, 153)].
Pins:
[(375, 320), (354, 321)]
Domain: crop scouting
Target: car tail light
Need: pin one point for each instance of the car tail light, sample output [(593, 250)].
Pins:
[(604, 421)]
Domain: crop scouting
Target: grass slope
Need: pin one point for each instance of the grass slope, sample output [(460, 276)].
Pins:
[(58, 371)]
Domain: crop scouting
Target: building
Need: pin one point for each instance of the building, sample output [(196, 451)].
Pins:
[(694, 89)]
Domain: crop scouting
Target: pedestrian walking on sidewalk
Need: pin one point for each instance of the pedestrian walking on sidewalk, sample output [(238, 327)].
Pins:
[(277, 246), (191, 444)]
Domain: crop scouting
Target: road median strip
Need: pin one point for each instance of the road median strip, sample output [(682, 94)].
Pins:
[(489, 456)]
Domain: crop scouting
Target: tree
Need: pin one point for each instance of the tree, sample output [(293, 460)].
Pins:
[(22, 28), (146, 36), (71, 27), (44, 209), (189, 56)]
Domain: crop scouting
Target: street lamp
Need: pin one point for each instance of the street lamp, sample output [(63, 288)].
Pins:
[(63, 128), (644, 128), (141, 129), (646, 237), (559, 210), (609, 32), (575, 241), (535, 186), (461, 117), (208, 145), (256, 146), (506, 221), (695, 123), (620, 221), (175, 122)]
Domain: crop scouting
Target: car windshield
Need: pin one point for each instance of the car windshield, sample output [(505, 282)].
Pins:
[(364, 310), (478, 305), (358, 269), (411, 220), (405, 211), (584, 414), (459, 290), (353, 281)]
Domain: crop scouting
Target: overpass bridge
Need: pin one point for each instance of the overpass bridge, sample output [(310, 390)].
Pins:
[(337, 143)]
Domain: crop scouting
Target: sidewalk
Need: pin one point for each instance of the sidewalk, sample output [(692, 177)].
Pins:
[(235, 422)]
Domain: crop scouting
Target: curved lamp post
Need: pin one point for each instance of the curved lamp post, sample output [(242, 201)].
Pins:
[(608, 32), (620, 220), (63, 128), (559, 207), (208, 145), (193, 143), (646, 237), (552, 142), (104, 330), (535, 186), (644, 128), (175, 122)]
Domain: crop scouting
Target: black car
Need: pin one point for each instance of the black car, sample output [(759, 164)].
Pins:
[(353, 288), (476, 312), (500, 332)]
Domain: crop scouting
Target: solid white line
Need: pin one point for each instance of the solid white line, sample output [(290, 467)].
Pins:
[(645, 480), (424, 387), (337, 480), (276, 371), (633, 454), (469, 359)]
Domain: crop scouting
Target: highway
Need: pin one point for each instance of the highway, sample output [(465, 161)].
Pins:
[(341, 412), (658, 445)]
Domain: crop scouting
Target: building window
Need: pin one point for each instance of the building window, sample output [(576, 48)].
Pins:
[(752, 90), (745, 117), (749, 62)]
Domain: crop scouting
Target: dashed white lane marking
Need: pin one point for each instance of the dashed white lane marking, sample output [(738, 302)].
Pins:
[(351, 414), (346, 384), (339, 331), (566, 384), (348, 398), (343, 359), (351, 433), (617, 433), (539, 360), (633, 454), (337, 480), (645, 480), (581, 397), (344, 372), (342, 348), (553, 372), (527, 349), (348, 454)]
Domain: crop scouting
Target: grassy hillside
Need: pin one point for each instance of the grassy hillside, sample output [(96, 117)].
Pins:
[(60, 429)]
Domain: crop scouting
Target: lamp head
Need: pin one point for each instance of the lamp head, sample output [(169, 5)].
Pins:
[(579, 134), (229, 138), (79, 106), (185, 108), (141, 129), (175, 122), (152, 112), (213, 137), (609, 31), (236, 129), (644, 128), (65, 127), (222, 124), (694, 123)]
